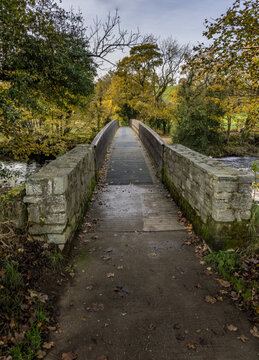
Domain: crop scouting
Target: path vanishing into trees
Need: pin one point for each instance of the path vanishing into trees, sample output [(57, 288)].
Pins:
[(139, 290)]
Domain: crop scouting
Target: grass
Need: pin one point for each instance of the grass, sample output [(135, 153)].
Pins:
[(167, 95), (231, 265), (28, 348), (56, 259)]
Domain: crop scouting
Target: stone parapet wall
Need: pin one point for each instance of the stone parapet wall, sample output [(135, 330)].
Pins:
[(12, 208), (216, 198), (57, 195), (211, 188), (103, 140), (151, 140)]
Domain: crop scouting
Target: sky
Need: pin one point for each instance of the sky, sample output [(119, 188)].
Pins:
[(180, 19)]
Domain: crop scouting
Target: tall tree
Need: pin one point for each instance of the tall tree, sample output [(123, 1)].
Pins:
[(44, 57), (234, 46)]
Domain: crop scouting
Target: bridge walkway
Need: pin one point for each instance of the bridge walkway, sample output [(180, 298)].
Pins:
[(139, 290)]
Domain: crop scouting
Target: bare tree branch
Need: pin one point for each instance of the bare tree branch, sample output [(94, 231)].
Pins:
[(108, 37), (173, 56)]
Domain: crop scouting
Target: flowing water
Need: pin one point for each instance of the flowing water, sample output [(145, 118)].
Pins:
[(239, 162), (242, 163), (14, 173)]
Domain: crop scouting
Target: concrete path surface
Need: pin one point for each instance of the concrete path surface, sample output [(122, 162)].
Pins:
[(139, 291)]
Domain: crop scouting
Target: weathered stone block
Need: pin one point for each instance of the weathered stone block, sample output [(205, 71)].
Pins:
[(33, 188), (223, 185), (56, 219), (226, 215), (55, 208), (33, 199), (60, 185), (37, 229), (34, 214), (58, 238), (240, 201)]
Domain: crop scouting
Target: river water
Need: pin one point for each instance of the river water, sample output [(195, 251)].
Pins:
[(239, 162), (14, 173), (17, 172), (242, 163)]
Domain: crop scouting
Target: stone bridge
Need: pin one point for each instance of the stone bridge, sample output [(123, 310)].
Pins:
[(217, 199)]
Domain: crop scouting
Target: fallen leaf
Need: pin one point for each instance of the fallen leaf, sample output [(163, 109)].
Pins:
[(223, 292), (243, 338), (219, 298), (83, 318), (188, 243), (232, 327), (198, 331), (110, 275), (210, 299), (18, 337), (151, 327), (191, 346), (97, 307), (41, 354), (69, 356), (12, 323), (255, 332), (47, 345), (52, 328), (106, 257), (154, 254), (208, 272), (224, 283)]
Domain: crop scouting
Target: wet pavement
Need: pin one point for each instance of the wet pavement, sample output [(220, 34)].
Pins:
[(139, 290), (127, 164)]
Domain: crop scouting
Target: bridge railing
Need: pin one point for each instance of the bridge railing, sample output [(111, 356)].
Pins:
[(103, 140), (216, 198), (151, 140), (57, 195)]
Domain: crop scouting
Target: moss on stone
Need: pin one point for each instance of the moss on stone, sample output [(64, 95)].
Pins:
[(79, 219), (218, 235)]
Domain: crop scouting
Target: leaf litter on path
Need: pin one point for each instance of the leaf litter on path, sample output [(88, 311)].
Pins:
[(110, 275), (232, 327), (243, 338), (210, 299), (69, 356)]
